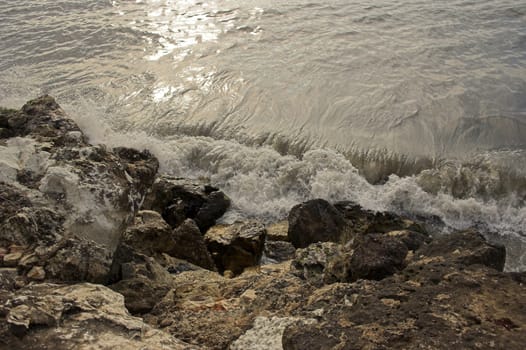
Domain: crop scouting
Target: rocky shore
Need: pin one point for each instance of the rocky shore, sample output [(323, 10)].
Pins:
[(100, 251)]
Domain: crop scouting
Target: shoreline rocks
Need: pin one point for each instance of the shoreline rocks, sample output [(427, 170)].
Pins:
[(332, 276)]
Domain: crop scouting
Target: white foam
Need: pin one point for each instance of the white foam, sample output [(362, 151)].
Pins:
[(265, 184)]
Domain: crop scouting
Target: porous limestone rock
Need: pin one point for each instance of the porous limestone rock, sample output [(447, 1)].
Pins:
[(80, 316)]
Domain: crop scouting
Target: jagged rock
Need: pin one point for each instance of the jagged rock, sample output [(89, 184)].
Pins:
[(190, 245), (278, 251), (81, 316), (143, 283), (61, 185), (179, 199), (237, 246), (75, 260), (316, 221), (213, 311), (367, 221), (309, 263), (142, 166), (149, 234), (466, 248), (152, 236), (373, 256)]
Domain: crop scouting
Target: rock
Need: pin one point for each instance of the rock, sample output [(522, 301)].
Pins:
[(59, 186), (190, 245), (466, 248), (316, 221), (278, 251), (309, 263), (74, 260), (266, 333), (143, 284), (212, 312), (149, 234), (11, 259), (367, 221), (36, 273), (142, 166), (140, 278), (179, 199), (7, 278), (411, 239), (373, 256), (152, 236), (237, 246), (81, 316), (278, 231)]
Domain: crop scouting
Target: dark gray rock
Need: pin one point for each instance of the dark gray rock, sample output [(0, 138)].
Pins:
[(190, 245), (373, 256), (180, 199), (316, 221), (466, 248), (279, 251)]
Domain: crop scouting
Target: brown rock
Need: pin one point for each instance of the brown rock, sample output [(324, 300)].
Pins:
[(237, 246), (11, 259), (36, 273)]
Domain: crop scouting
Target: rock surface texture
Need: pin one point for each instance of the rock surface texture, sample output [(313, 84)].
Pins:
[(163, 275)]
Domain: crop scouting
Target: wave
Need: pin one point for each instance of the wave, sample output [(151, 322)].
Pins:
[(265, 184)]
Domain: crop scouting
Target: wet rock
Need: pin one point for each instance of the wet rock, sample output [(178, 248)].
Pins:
[(466, 248), (141, 166), (60, 185), (79, 316), (310, 263), (367, 221), (278, 251), (179, 199), (316, 221), (237, 246), (373, 256)]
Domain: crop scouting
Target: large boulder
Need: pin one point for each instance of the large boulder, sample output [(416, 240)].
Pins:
[(81, 316), (237, 246), (179, 199), (316, 221)]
